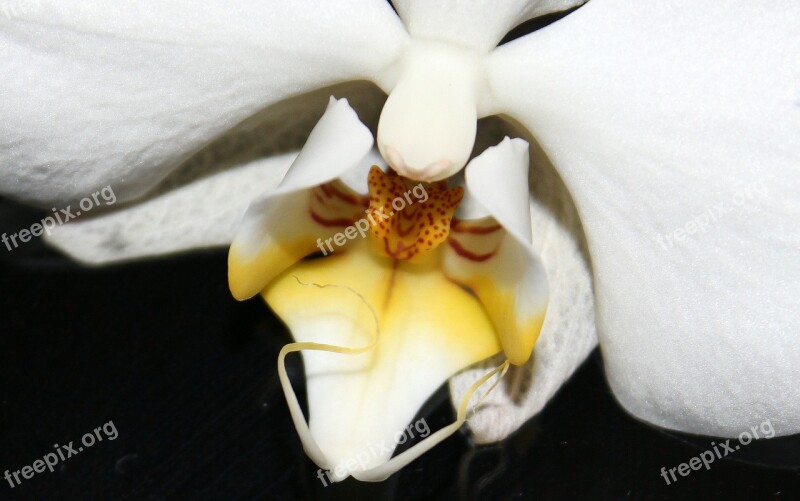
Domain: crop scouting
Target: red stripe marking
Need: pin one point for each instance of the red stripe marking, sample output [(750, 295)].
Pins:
[(461, 251), (319, 198), (462, 227), (348, 197), (329, 222)]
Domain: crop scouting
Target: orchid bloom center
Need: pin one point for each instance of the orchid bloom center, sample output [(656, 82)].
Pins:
[(427, 127), (410, 219), (385, 321)]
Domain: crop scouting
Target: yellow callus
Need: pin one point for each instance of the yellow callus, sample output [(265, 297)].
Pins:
[(414, 302)]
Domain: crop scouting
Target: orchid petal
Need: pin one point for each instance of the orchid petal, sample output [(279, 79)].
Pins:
[(193, 207), (198, 215), (682, 156), (479, 24), (364, 395), (281, 228), (95, 95), (568, 334), (493, 256)]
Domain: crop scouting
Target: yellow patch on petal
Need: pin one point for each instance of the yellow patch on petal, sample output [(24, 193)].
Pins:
[(414, 297), (414, 226), (247, 275), (484, 267), (290, 229), (518, 334)]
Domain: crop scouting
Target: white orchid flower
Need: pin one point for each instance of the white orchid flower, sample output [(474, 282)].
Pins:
[(674, 127)]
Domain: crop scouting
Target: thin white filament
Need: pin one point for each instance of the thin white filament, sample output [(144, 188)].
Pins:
[(383, 471)]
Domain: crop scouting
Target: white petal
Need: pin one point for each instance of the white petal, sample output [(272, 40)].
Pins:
[(97, 94), (568, 334), (493, 256), (338, 144), (654, 115), (498, 180), (480, 24), (279, 228), (201, 203), (204, 213)]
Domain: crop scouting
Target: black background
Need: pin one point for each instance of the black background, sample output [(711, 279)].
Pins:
[(188, 376)]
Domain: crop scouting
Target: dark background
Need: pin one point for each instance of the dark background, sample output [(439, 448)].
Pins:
[(188, 376)]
